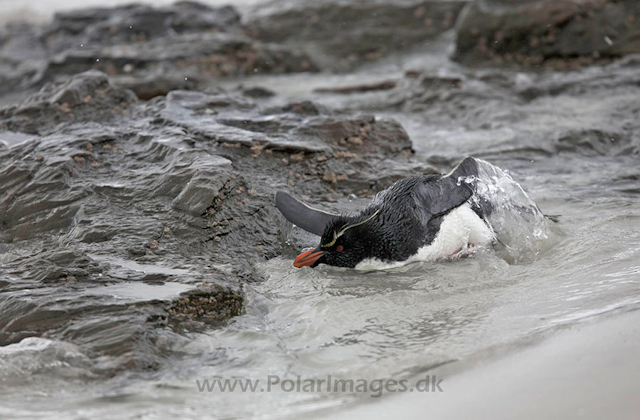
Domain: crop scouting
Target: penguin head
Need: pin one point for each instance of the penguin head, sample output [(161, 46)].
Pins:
[(344, 243)]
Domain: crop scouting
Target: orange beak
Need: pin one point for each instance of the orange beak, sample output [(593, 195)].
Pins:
[(307, 258)]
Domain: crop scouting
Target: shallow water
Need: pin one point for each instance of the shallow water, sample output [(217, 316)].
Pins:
[(396, 323)]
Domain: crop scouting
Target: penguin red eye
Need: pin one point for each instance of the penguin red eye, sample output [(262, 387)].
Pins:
[(339, 248)]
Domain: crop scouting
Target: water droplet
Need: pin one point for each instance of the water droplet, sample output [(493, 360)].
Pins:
[(352, 197), (97, 59)]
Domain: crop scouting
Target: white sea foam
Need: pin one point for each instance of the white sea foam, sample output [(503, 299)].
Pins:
[(519, 225)]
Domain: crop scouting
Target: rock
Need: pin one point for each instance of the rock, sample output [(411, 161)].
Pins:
[(561, 34), (139, 23), (204, 186), (10, 139), (208, 55), (258, 92), (22, 215), (342, 35), (244, 131), (293, 128), (592, 142), (206, 305), (86, 96), (384, 85), (154, 85), (154, 50), (364, 135)]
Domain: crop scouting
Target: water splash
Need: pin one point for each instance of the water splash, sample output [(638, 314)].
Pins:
[(519, 226)]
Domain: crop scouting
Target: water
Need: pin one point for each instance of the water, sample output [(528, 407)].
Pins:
[(398, 323), (330, 321), (519, 226)]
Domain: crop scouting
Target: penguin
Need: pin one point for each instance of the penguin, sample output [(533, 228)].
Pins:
[(420, 218)]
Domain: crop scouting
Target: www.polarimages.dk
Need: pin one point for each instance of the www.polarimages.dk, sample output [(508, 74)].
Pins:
[(374, 387)]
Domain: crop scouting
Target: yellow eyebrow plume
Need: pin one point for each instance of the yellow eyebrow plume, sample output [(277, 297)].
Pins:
[(344, 229)]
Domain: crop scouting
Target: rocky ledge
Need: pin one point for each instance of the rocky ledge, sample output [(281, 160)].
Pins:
[(557, 34), (97, 183)]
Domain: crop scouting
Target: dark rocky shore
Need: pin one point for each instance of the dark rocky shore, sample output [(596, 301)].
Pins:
[(119, 148)]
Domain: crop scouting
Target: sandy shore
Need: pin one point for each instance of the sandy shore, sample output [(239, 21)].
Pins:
[(589, 371)]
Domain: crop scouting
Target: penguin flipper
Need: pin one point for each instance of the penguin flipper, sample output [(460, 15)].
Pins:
[(467, 167), (443, 194), (304, 216)]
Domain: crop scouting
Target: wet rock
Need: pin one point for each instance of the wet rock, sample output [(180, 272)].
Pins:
[(149, 87), (342, 35), (300, 108), (98, 325), (592, 142), (86, 96), (258, 92), (241, 218), (154, 50), (559, 34), (302, 135), (203, 56), (188, 110), (208, 305), (60, 266), (385, 85), (204, 186), (21, 215), (363, 135), (136, 23)]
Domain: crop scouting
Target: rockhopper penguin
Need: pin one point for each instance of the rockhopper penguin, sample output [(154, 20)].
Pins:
[(419, 218)]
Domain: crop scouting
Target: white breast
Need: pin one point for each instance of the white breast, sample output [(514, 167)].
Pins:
[(460, 230)]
